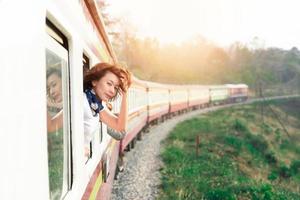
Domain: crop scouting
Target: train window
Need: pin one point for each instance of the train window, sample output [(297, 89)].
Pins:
[(56, 34), (58, 114), (88, 149), (85, 64)]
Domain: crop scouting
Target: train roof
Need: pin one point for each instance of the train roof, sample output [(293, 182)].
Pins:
[(217, 86), (240, 85)]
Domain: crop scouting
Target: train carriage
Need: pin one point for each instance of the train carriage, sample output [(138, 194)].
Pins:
[(178, 98), (158, 100), (218, 94), (198, 96), (237, 92), (137, 111)]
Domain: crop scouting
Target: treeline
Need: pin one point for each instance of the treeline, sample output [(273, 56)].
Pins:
[(198, 61)]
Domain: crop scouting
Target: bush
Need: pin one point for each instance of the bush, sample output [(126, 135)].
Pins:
[(266, 128), (259, 143), (273, 175), (267, 192), (239, 125), (295, 167), (290, 145), (277, 131), (284, 171), (255, 191), (284, 144), (219, 194), (270, 158), (234, 142), (278, 135)]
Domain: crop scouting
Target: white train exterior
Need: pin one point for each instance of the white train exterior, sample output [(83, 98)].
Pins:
[(70, 36)]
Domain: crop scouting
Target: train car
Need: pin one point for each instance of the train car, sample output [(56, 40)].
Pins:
[(218, 94), (198, 96), (137, 111), (158, 100), (237, 92), (39, 161), (178, 98)]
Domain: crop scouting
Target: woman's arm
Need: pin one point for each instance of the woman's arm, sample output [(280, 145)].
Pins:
[(119, 122), (54, 123)]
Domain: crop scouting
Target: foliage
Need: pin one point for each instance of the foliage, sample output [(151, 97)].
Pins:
[(295, 167), (200, 61), (234, 162), (239, 125), (284, 171)]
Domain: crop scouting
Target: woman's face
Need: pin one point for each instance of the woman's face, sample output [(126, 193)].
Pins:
[(106, 87), (54, 88)]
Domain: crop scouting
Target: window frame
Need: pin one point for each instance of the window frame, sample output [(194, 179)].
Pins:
[(60, 48)]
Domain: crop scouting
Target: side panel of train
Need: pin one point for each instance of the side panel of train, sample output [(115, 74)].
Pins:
[(23, 138), (158, 101), (198, 96), (179, 98), (40, 162), (137, 111)]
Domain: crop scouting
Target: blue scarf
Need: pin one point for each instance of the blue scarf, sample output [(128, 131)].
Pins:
[(95, 105)]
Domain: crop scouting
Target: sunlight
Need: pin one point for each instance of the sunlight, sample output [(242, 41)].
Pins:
[(220, 21)]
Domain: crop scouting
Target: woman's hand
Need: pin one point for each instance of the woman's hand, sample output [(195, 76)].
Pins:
[(51, 103), (126, 80)]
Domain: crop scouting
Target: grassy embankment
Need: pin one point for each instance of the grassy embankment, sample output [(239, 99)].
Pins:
[(240, 155)]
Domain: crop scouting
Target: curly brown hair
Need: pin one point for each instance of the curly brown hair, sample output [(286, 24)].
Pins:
[(99, 70)]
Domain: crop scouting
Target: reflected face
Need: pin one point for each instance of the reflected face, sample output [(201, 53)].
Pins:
[(106, 87), (54, 88)]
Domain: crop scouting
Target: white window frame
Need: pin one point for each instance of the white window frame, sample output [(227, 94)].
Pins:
[(59, 50)]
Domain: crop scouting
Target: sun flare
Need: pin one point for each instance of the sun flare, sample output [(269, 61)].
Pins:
[(220, 21)]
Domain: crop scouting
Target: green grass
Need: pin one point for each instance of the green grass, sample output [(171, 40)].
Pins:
[(55, 163), (240, 157)]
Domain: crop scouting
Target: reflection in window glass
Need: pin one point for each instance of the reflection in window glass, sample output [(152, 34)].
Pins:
[(55, 121)]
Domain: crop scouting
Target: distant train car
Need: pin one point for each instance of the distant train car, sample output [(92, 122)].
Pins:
[(137, 111), (218, 94), (198, 96), (178, 98), (158, 100), (237, 92)]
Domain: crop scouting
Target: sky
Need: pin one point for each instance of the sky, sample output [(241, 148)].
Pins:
[(274, 22)]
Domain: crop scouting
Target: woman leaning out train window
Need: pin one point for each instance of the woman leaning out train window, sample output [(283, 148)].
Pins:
[(103, 83)]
